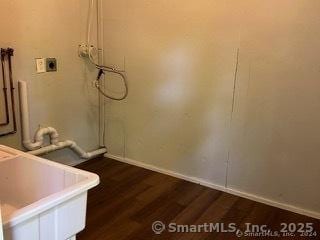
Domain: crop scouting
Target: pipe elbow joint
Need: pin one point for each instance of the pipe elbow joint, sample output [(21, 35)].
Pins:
[(30, 145)]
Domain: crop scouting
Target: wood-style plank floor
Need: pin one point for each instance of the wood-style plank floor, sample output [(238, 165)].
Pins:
[(129, 199)]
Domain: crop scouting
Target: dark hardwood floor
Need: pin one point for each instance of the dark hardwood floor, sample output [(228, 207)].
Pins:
[(129, 199)]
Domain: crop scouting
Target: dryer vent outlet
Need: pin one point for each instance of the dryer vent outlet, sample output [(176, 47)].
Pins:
[(51, 65)]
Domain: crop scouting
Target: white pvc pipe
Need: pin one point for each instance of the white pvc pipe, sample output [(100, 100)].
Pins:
[(37, 147), (54, 136), (73, 146), (49, 148), (25, 126), (100, 44), (83, 154), (25, 123)]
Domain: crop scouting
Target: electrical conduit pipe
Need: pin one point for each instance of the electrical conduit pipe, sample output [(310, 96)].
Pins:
[(36, 147)]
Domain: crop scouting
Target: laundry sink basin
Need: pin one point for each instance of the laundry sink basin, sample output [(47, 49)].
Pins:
[(41, 199)]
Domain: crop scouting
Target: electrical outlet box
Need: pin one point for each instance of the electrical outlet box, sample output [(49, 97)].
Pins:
[(41, 65), (51, 65)]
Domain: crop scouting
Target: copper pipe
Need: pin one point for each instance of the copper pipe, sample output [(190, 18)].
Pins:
[(13, 106), (9, 52), (5, 94)]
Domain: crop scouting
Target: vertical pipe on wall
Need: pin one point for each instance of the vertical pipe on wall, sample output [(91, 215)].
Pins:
[(37, 146), (99, 11), (5, 93), (9, 53), (13, 104), (25, 123)]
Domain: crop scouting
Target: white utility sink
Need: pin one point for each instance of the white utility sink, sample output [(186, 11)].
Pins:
[(41, 199)]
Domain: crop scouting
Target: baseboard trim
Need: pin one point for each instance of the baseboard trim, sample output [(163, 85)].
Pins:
[(205, 183)]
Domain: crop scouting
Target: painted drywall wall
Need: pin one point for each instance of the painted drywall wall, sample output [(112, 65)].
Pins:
[(64, 99), (180, 74), (275, 126), (181, 62), (251, 126)]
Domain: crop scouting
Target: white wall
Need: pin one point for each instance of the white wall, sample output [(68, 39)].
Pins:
[(275, 143), (180, 57), (62, 99)]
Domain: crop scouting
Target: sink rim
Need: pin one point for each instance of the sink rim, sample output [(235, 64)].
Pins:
[(91, 180)]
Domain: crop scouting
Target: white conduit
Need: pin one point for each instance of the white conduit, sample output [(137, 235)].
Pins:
[(36, 147)]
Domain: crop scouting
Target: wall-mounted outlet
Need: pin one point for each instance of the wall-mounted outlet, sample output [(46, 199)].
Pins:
[(46, 65), (41, 65)]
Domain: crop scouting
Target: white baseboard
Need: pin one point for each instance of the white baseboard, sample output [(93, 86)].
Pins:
[(205, 183)]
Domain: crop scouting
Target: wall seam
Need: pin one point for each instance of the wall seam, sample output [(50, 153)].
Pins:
[(235, 78)]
